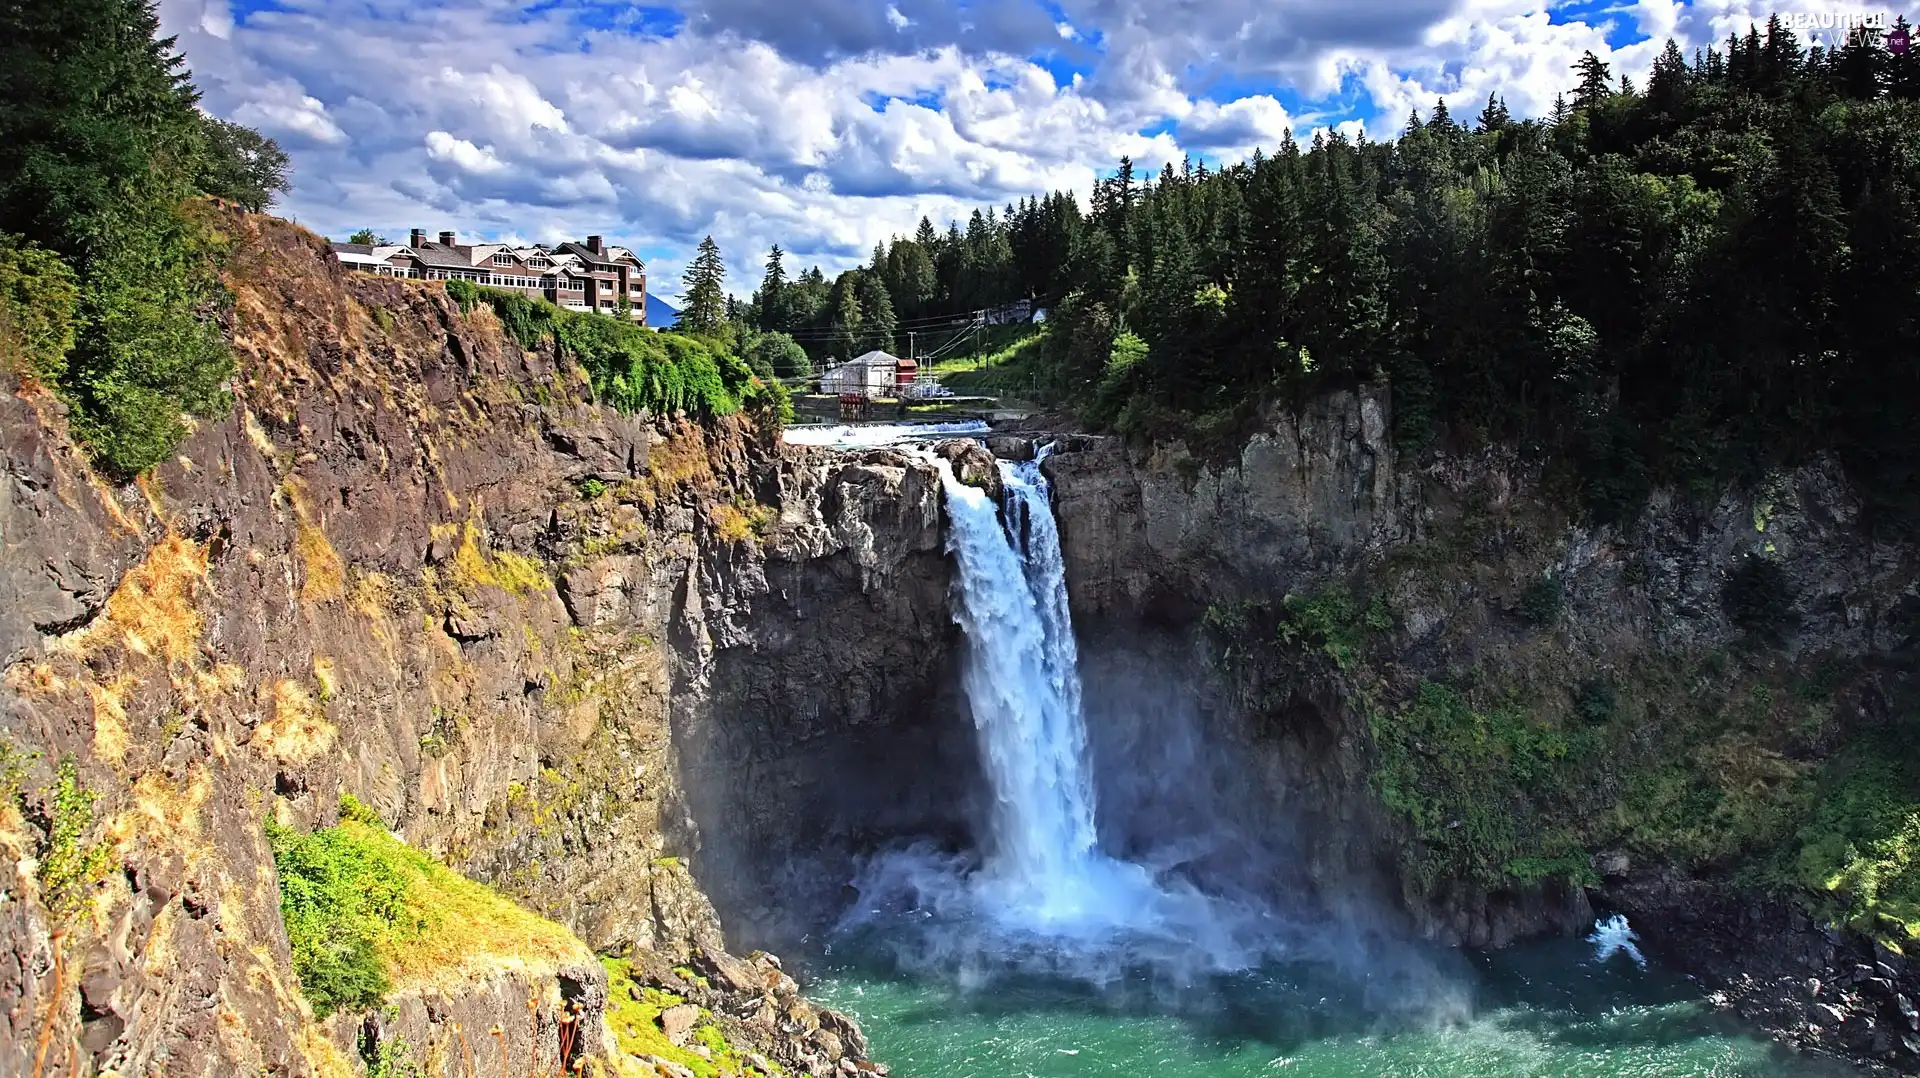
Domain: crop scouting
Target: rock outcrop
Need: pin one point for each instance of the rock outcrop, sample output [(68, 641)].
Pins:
[(601, 662), (1207, 569)]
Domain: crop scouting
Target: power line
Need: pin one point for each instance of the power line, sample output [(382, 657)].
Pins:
[(930, 322), (971, 327)]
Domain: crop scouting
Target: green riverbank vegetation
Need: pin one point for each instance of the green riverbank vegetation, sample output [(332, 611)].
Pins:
[(634, 368)]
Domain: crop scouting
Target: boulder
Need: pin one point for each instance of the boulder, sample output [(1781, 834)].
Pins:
[(677, 1022), (1011, 447), (973, 465)]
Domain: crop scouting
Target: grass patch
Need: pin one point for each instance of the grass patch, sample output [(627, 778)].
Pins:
[(323, 574), (633, 1014), (678, 460), (154, 609), (299, 730), (740, 520), (1459, 774), (999, 346), (367, 915), (474, 565)]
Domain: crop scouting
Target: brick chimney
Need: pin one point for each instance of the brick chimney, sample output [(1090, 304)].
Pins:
[(594, 245), (446, 239), (417, 238)]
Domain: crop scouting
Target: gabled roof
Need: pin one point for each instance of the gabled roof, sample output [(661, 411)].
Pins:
[(877, 358), (580, 250), (433, 254), (350, 248)]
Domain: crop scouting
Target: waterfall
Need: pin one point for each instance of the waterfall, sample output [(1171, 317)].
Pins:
[(1022, 682), (1044, 874), (1040, 895)]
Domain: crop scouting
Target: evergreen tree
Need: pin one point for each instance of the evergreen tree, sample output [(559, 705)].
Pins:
[(100, 147), (1658, 286), (876, 312), (843, 316), (242, 165), (1595, 85), (1494, 118), (703, 297), (770, 301)]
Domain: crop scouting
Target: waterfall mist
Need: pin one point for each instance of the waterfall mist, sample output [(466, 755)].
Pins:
[(1168, 888)]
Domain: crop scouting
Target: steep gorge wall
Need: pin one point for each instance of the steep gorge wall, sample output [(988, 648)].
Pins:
[(593, 660), (1494, 716)]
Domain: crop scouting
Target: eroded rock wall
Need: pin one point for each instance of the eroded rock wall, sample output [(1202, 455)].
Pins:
[(1159, 538), (415, 563), (1489, 586)]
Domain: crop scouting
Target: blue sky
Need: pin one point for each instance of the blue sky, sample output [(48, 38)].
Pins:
[(827, 125)]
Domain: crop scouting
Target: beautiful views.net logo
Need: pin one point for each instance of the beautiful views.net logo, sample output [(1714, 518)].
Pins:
[(1836, 28)]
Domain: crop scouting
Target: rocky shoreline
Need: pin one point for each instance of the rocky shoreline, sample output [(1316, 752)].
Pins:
[(759, 1008), (1814, 986)]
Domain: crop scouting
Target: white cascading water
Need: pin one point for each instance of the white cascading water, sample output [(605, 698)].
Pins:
[(1614, 936), (1042, 898), (1044, 875), (1023, 684)]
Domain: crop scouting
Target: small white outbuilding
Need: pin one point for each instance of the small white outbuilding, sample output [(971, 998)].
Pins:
[(875, 374)]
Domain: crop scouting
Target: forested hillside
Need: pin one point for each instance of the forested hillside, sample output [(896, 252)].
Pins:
[(1683, 282)]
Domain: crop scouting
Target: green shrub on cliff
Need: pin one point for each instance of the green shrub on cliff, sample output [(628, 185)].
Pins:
[(1330, 623), (338, 902), (1540, 603), (1462, 776), (1860, 844), (529, 320), (634, 368), (39, 296), (464, 293), (366, 913), (633, 1015), (1326, 624)]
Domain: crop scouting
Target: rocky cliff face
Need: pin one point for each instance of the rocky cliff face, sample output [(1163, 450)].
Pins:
[(1356, 622), (664, 683), (602, 663)]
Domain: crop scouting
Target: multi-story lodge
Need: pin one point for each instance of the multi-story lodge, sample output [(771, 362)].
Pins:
[(590, 276)]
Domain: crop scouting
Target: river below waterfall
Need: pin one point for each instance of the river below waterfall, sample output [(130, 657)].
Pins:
[(1540, 1011), (1041, 955)]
